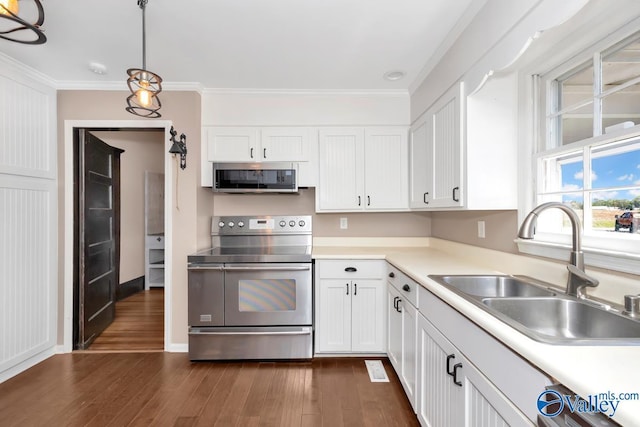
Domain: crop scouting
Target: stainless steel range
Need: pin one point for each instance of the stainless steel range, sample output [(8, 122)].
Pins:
[(250, 295)]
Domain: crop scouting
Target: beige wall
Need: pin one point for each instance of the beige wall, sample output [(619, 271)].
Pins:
[(143, 151), (501, 228), (371, 224), (183, 109)]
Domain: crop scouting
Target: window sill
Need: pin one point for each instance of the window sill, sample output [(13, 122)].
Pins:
[(610, 260)]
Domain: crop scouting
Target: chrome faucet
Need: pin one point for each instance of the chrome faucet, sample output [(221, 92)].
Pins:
[(578, 280)]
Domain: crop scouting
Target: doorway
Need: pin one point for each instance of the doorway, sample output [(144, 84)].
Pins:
[(161, 127), (130, 292)]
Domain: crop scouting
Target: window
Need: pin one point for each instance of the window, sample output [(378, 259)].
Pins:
[(588, 155)]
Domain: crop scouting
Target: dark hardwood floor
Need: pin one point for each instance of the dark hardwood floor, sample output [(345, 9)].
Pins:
[(166, 389), (138, 325)]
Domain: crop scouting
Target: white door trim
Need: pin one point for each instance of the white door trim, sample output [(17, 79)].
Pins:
[(68, 218)]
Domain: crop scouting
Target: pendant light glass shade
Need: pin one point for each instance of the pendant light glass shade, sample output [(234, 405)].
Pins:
[(144, 85), (15, 28)]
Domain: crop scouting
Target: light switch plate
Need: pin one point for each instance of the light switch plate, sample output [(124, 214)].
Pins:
[(344, 223), (481, 231)]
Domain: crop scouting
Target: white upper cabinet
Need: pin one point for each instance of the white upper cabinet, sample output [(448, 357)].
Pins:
[(284, 144), (463, 150), (362, 169), (420, 163), (253, 144), (232, 144), (260, 144), (436, 154), (340, 169), (385, 168)]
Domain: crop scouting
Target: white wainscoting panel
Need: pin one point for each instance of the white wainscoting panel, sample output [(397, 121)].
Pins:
[(28, 286), (26, 130), (28, 218)]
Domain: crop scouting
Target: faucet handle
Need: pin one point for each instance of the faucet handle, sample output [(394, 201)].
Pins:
[(585, 279), (632, 305)]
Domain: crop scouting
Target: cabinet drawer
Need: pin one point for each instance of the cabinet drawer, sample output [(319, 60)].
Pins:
[(405, 286), (348, 269)]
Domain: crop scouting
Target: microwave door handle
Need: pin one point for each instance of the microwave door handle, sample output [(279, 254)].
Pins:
[(257, 268)]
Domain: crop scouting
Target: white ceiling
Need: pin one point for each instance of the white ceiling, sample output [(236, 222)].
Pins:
[(257, 44)]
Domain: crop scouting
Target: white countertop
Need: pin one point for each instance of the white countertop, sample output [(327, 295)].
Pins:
[(586, 370)]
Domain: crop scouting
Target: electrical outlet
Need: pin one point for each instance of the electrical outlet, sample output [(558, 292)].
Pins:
[(344, 223), (481, 231)]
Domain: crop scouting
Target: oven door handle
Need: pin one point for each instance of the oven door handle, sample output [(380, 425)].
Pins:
[(205, 267), (301, 332), (257, 268)]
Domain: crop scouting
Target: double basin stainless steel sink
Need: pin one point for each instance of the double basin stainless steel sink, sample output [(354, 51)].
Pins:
[(543, 313)]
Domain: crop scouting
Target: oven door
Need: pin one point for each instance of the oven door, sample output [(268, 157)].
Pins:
[(268, 294), (206, 295)]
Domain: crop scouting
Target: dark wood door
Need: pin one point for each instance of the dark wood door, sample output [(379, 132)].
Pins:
[(97, 232)]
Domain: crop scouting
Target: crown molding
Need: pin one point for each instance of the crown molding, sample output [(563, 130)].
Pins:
[(122, 85), (21, 72), (314, 92)]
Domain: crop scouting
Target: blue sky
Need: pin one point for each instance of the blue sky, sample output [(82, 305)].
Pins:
[(618, 170)]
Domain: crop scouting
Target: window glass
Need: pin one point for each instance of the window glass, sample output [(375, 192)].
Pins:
[(622, 106), (577, 124), (575, 88), (621, 65), (617, 167)]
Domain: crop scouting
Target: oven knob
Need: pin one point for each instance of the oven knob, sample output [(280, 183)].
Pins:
[(231, 224), (221, 224), (301, 223), (292, 223), (282, 223), (240, 224)]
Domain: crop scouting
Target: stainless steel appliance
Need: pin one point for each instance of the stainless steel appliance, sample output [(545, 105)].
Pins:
[(250, 295), (271, 177)]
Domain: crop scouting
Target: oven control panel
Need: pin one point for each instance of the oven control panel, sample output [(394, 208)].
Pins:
[(251, 225)]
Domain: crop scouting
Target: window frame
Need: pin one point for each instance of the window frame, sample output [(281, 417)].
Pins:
[(610, 252)]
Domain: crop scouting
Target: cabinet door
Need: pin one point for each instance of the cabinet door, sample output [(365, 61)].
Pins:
[(284, 144), (340, 170), (333, 325), (484, 404), (420, 166), (232, 144), (446, 178), (439, 401), (394, 329), (409, 350), (368, 319), (386, 168)]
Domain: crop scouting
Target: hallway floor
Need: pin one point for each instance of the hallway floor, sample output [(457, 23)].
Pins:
[(138, 326)]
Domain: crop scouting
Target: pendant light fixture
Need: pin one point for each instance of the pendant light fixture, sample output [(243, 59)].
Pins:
[(15, 28), (143, 84)]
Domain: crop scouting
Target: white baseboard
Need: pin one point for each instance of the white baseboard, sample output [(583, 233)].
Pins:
[(27, 363), (177, 348)]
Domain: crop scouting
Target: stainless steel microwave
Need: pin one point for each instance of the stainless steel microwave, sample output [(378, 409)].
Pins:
[(271, 177)]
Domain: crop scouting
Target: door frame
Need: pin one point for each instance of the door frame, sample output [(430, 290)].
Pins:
[(69, 125)]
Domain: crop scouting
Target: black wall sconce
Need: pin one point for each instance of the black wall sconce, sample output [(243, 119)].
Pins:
[(179, 147)]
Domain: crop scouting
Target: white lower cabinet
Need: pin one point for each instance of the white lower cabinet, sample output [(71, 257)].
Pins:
[(350, 307), (453, 372), (401, 333), (451, 390)]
